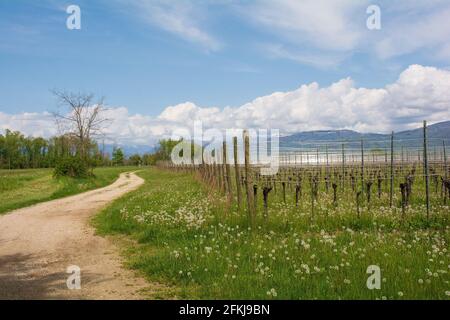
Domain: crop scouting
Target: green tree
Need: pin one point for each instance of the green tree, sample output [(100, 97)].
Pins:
[(118, 157), (135, 159), (165, 148)]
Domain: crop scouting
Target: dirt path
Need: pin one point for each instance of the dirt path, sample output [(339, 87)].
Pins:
[(38, 243)]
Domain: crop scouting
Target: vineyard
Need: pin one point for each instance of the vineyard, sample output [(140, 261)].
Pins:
[(312, 231), (323, 177)]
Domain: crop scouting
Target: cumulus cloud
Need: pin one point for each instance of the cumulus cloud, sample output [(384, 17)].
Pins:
[(33, 124), (420, 93)]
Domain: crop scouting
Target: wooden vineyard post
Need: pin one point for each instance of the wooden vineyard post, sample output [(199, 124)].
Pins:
[(266, 191), (312, 198), (216, 173), (237, 174), (255, 198), (403, 192), (362, 166), (391, 191), (445, 172), (385, 166), (227, 171), (425, 164), (224, 169), (445, 160), (297, 193), (220, 174), (248, 179), (343, 168)]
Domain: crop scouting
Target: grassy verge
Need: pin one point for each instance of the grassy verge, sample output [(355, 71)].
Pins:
[(185, 238), (21, 188)]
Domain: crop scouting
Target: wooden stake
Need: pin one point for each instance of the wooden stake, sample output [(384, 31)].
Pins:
[(425, 163), (391, 191), (237, 174), (227, 171), (248, 179)]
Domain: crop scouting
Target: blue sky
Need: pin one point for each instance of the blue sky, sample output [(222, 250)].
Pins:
[(147, 55)]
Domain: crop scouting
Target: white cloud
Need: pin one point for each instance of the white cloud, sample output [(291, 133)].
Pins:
[(416, 30), (317, 59), (181, 18), (323, 24), (34, 124), (321, 33), (420, 93)]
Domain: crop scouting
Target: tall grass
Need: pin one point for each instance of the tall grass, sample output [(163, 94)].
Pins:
[(187, 237)]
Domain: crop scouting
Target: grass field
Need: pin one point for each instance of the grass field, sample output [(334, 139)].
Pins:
[(21, 188), (187, 238)]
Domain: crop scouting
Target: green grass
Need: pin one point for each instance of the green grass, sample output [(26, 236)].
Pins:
[(21, 188), (186, 237)]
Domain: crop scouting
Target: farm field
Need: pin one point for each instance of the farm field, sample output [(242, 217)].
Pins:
[(189, 236), (21, 188)]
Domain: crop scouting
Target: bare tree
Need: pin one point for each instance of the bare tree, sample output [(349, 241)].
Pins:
[(80, 117)]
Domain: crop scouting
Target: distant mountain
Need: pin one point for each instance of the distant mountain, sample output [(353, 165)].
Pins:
[(334, 138), (436, 131)]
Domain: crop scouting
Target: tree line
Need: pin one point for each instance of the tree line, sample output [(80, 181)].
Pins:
[(80, 120), (18, 151)]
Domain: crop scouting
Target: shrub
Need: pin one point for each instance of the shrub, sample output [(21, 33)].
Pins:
[(72, 166)]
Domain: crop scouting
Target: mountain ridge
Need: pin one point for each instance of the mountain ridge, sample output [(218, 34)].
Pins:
[(409, 138)]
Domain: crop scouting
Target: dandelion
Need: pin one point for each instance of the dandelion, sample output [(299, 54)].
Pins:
[(273, 292)]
